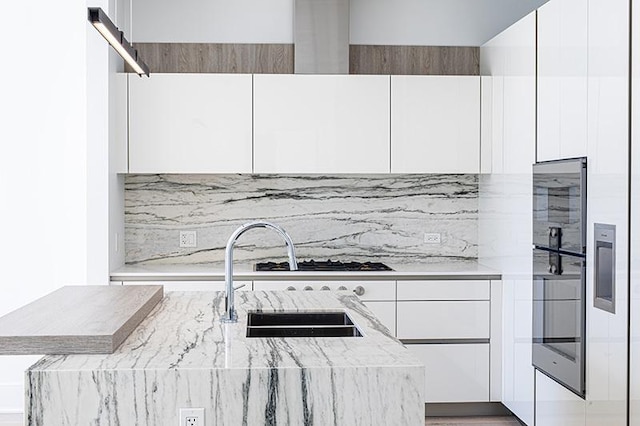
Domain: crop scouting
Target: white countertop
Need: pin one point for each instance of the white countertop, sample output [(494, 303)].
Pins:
[(184, 331), (181, 272), (182, 355)]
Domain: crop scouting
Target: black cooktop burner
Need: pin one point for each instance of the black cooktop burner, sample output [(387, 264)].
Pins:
[(329, 265)]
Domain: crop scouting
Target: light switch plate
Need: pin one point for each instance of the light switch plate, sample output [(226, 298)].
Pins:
[(432, 238)]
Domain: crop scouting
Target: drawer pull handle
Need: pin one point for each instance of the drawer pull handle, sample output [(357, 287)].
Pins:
[(308, 287), (291, 288), (325, 288)]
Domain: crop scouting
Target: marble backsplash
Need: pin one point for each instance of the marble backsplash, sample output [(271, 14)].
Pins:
[(342, 217)]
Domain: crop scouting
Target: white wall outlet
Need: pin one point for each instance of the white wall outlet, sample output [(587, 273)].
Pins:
[(191, 416), (188, 239), (432, 238)]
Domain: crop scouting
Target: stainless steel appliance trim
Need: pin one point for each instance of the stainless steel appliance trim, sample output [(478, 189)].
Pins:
[(605, 240), (321, 37), (569, 373), (443, 341)]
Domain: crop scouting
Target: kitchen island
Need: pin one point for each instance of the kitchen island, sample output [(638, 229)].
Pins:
[(182, 356)]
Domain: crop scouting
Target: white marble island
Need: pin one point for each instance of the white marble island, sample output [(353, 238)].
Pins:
[(182, 356)]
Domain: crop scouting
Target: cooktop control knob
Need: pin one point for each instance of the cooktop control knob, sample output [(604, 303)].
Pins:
[(342, 288), (359, 290), (307, 288), (291, 288), (325, 288)]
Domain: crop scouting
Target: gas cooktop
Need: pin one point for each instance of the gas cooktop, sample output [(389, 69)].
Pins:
[(328, 265)]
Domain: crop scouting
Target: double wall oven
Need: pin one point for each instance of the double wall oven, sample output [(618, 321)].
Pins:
[(559, 281)]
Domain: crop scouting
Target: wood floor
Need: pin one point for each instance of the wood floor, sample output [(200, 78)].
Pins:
[(473, 421)]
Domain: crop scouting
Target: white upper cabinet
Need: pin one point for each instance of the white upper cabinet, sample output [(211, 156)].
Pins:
[(435, 124), (321, 124), (190, 123), (562, 80)]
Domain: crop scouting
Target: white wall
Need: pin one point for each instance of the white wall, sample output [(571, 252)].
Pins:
[(508, 67), (53, 180), (394, 22), (213, 21), (434, 22)]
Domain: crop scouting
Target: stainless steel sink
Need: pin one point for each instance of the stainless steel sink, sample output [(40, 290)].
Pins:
[(301, 324)]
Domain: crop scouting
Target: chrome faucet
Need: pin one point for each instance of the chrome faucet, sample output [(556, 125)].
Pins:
[(230, 311)]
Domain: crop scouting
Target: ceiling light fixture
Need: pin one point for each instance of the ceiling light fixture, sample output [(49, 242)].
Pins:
[(116, 39)]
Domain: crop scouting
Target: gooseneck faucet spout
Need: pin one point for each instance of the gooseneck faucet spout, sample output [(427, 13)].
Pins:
[(230, 311)]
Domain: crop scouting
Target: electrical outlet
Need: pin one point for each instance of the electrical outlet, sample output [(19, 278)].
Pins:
[(432, 238), (188, 239), (191, 416)]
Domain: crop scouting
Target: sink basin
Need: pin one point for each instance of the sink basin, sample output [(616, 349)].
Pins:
[(301, 324)]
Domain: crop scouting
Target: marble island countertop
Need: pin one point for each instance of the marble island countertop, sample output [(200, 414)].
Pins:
[(244, 272), (182, 356)]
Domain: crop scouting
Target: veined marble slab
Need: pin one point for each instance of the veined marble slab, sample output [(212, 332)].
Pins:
[(182, 356), (344, 217)]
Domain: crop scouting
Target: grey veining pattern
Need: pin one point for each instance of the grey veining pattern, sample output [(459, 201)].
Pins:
[(183, 356), (341, 217)]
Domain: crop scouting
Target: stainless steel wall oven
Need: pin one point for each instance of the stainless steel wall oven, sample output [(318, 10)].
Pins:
[(559, 279)]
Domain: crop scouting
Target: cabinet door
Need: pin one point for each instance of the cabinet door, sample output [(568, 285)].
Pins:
[(455, 373), (321, 124), (562, 79), (190, 123), (557, 406), (435, 124)]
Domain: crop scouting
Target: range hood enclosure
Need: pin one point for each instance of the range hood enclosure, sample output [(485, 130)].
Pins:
[(321, 37)]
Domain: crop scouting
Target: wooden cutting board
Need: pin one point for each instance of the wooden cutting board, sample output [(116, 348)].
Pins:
[(77, 320)]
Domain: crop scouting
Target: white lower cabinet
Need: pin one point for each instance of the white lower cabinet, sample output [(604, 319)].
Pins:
[(378, 296), (557, 406), (447, 324), (443, 320), (385, 312), (455, 372)]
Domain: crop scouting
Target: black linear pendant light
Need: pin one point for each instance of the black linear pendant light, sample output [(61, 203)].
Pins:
[(116, 39)]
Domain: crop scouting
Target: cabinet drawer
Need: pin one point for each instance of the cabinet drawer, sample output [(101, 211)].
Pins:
[(443, 320), (455, 373), (444, 290), (193, 285), (373, 290)]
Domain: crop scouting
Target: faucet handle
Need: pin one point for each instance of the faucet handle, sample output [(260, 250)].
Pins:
[(240, 286)]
